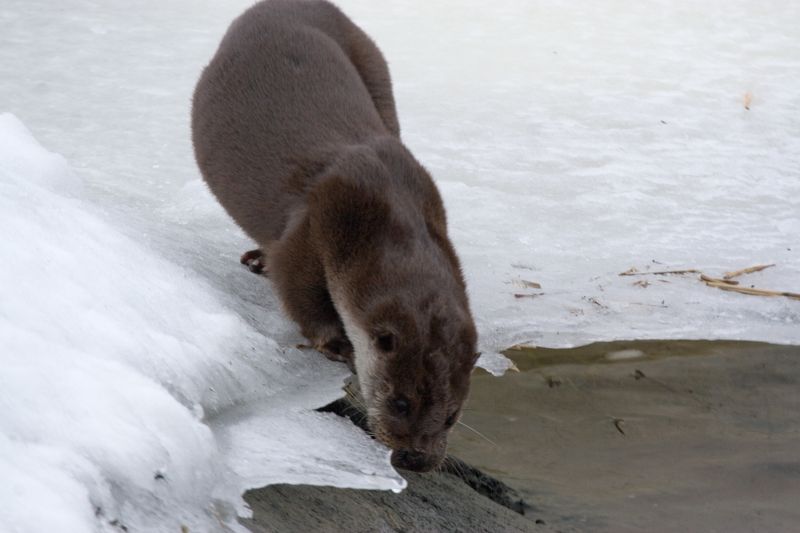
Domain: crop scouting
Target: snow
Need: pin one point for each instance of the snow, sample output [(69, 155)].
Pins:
[(131, 390), (571, 141)]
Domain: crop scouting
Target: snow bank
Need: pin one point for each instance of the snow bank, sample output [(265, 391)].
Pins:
[(117, 364)]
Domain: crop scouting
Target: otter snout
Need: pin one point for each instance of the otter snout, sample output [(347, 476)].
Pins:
[(415, 460)]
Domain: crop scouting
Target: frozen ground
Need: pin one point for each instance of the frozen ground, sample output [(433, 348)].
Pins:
[(571, 140)]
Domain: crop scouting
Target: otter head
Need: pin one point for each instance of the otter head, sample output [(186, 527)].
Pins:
[(414, 372)]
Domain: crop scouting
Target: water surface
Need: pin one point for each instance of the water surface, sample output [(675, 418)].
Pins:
[(645, 435)]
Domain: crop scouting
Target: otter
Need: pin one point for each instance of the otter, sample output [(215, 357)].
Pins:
[(295, 132)]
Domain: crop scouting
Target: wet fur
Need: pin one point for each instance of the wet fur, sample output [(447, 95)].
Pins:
[(296, 133)]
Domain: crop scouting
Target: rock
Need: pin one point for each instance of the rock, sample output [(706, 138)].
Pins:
[(432, 502), (459, 497)]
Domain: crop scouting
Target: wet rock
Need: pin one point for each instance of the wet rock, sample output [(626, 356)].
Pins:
[(459, 497)]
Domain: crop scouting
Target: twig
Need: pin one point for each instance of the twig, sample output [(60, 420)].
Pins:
[(749, 270), (633, 272), (597, 303)]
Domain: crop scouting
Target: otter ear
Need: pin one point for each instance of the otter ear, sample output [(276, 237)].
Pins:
[(385, 341)]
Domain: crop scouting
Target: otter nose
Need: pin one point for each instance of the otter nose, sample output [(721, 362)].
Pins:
[(412, 460)]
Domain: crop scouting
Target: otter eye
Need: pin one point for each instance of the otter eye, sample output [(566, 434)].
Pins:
[(386, 342), (450, 420), (400, 406)]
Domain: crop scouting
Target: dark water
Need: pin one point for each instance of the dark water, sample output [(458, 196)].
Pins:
[(645, 435)]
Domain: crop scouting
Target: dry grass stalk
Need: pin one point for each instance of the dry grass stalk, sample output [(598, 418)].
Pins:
[(718, 280), (752, 290), (748, 270)]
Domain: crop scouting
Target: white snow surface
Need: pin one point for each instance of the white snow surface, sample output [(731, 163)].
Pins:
[(132, 390), (148, 379)]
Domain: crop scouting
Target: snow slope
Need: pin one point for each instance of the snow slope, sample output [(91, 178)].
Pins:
[(147, 375), (131, 391)]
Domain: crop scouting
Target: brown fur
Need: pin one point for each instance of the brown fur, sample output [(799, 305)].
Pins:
[(296, 133)]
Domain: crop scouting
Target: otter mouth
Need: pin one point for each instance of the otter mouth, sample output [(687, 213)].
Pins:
[(414, 460), (405, 455)]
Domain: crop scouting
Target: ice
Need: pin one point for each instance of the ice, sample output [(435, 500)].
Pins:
[(574, 140), (571, 141)]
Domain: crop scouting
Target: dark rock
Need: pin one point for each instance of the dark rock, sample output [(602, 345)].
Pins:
[(432, 502), (458, 497)]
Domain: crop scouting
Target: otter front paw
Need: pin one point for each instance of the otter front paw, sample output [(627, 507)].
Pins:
[(336, 348), (339, 349), (254, 260)]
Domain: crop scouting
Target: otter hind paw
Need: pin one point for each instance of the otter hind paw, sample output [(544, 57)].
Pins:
[(254, 260)]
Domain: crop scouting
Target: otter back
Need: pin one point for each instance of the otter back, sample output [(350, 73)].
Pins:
[(290, 81)]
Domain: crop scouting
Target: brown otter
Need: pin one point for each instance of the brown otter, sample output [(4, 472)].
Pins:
[(295, 131)]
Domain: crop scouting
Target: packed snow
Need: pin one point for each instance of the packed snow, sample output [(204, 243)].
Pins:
[(132, 390), (148, 379)]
